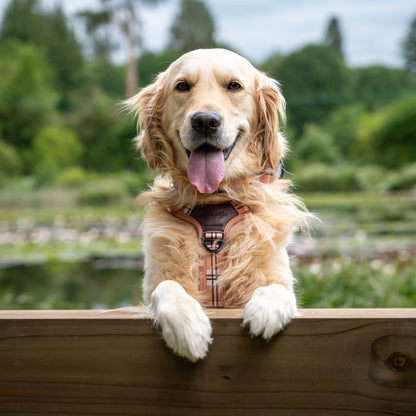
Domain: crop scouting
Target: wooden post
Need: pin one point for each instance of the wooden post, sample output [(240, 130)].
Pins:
[(326, 362)]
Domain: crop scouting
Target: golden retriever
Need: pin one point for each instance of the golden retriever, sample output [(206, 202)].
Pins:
[(210, 126)]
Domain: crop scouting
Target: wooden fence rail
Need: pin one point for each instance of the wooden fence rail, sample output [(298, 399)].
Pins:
[(327, 362)]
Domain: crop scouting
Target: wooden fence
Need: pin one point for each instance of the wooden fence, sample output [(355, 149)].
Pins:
[(327, 362)]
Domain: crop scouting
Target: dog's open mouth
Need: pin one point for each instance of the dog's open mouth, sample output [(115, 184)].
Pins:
[(206, 167)]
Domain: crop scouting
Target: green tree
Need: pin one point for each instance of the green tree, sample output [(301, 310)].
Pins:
[(97, 27), (57, 144), (375, 85), (124, 16), (64, 53), (343, 124), (272, 64), (316, 145), (27, 98), (388, 137), (23, 20), (48, 31), (409, 47), (10, 162), (54, 149), (315, 81), (193, 27), (105, 132), (333, 37)]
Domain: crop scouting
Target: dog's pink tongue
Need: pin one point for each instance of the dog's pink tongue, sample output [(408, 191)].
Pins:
[(206, 169)]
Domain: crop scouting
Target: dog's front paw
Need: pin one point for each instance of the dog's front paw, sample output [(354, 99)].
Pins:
[(185, 327), (269, 310)]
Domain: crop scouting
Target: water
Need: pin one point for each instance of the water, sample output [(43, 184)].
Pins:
[(362, 255), (96, 284)]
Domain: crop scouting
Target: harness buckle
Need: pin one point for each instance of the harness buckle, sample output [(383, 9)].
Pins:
[(213, 240)]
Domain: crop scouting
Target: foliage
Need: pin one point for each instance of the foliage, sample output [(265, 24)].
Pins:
[(356, 282), (333, 37), (342, 124), (403, 180), (409, 47), (100, 40), (362, 118), (108, 77), (54, 148), (64, 54), (27, 22), (122, 16), (389, 137), (102, 192), (314, 82), (326, 178), (58, 144), (106, 133), (272, 64), (375, 85), (316, 145), (72, 177), (193, 27), (10, 163), (27, 96), (23, 20)]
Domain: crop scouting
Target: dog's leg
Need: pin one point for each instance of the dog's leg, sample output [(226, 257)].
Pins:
[(185, 327), (269, 310)]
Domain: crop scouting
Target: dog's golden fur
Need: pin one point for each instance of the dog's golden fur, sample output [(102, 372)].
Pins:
[(255, 249)]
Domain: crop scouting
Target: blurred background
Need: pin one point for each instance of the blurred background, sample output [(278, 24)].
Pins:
[(69, 174)]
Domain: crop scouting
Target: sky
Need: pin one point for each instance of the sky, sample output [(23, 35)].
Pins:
[(372, 30)]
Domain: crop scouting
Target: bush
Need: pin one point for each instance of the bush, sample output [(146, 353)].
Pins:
[(324, 178), (72, 177), (372, 178), (10, 164), (136, 182), (54, 149), (316, 145), (403, 180), (101, 192), (57, 144), (389, 137)]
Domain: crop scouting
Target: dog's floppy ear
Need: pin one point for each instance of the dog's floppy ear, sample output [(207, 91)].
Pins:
[(270, 143), (148, 107)]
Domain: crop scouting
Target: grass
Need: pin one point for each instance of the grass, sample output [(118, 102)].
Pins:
[(351, 282)]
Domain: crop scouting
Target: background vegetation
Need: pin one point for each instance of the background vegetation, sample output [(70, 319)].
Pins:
[(66, 144)]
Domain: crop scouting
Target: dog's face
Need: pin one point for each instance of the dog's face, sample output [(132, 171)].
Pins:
[(211, 117)]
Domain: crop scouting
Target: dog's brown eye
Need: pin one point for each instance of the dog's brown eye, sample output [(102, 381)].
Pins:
[(234, 86), (183, 86)]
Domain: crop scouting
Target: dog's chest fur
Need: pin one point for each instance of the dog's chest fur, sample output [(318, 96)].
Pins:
[(212, 223)]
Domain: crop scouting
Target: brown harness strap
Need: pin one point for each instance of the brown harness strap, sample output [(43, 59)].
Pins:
[(212, 223)]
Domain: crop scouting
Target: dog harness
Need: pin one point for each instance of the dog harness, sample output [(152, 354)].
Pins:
[(213, 223)]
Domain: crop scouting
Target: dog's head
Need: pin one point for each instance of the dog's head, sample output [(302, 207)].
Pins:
[(211, 118)]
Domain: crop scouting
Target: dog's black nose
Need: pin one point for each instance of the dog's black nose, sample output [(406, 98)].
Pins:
[(206, 122)]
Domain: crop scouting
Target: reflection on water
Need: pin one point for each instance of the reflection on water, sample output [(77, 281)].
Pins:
[(96, 284)]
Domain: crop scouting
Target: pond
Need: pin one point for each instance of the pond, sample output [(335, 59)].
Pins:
[(362, 255), (100, 283)]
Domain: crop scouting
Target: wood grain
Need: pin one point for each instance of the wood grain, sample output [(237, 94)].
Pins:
[(327, 362)]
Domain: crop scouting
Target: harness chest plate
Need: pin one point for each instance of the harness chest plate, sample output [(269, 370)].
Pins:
[(212, 223)]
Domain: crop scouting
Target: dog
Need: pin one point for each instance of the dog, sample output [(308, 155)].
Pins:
[(210, 124)]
